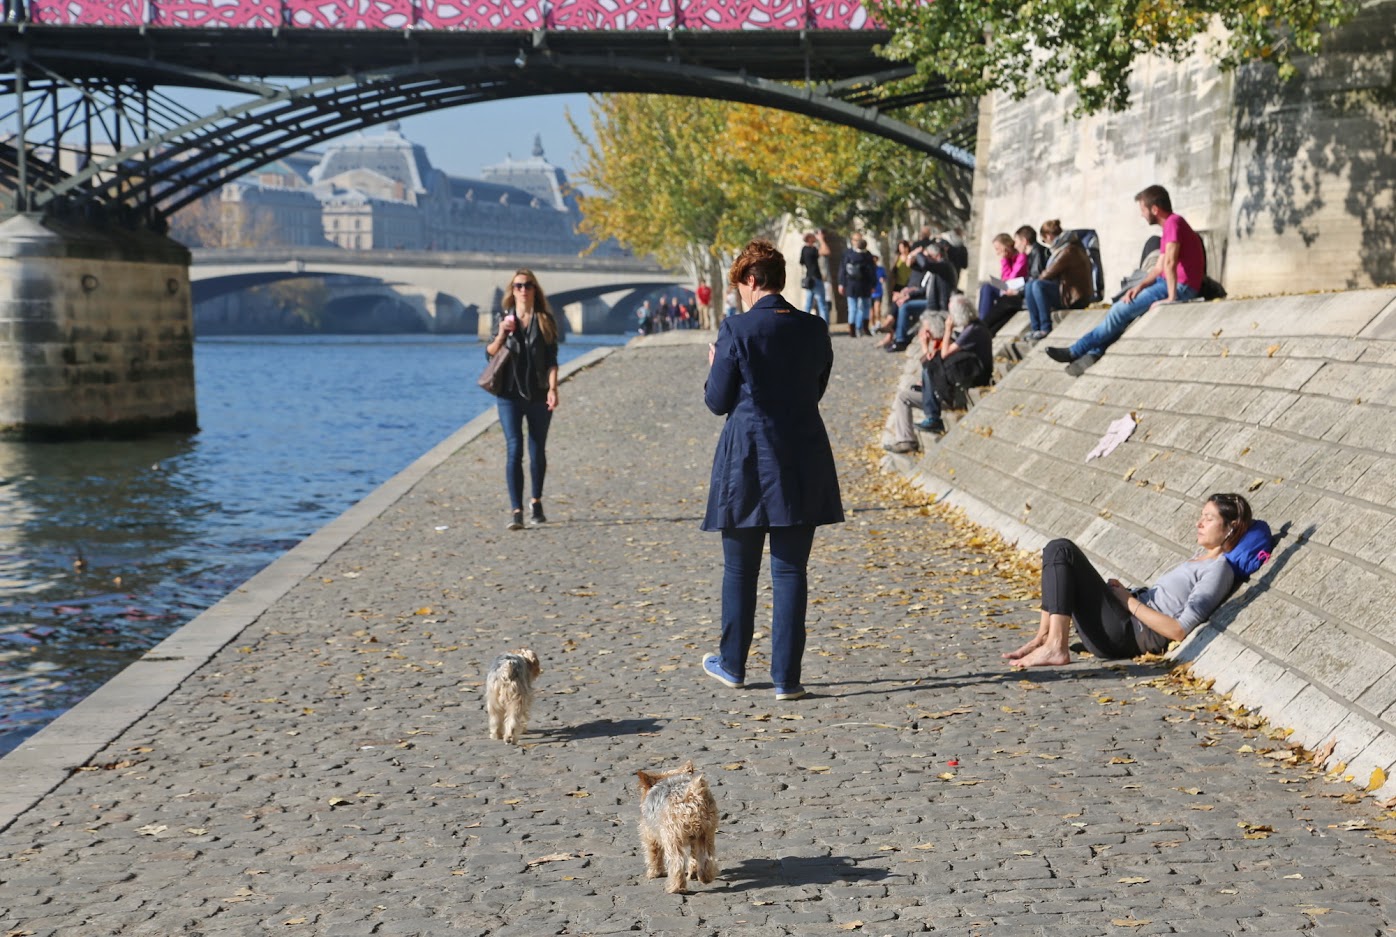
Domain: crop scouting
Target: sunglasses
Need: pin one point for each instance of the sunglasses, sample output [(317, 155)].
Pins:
[(523, 286)]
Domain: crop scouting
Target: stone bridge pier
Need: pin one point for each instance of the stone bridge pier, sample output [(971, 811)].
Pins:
[(96, 331)]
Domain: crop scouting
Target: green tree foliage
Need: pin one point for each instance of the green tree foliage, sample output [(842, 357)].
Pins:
[(1091, 46)]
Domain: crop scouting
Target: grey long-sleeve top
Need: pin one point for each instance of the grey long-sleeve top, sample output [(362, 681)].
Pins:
[(1189, 593)]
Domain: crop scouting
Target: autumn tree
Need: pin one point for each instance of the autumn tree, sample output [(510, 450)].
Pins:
[(690, 180), (979, 46)]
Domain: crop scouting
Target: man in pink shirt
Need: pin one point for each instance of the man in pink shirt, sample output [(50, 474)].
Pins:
[(1178, 277)]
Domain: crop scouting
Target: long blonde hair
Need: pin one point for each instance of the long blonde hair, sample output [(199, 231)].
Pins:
[(547, 322)]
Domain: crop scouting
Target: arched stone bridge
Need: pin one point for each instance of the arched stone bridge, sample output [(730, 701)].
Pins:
[(450, 284)]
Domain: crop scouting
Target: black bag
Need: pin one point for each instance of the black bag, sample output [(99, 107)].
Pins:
[(499, 372)]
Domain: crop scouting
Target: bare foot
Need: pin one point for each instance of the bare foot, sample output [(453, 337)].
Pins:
[(1025, 650), (1045, 657)]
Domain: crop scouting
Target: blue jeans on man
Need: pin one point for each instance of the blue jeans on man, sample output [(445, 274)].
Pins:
[(816, 297), (1122, 314), (741, 566), (909, 312), (1041, 297), (858, 308)]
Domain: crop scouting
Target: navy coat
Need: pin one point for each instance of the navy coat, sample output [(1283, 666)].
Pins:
[(773, 466)]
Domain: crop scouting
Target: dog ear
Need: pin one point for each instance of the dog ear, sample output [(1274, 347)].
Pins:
[(686, 767), (646, 781)]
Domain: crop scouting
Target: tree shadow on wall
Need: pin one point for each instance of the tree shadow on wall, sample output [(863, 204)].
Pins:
[(1299, 142)]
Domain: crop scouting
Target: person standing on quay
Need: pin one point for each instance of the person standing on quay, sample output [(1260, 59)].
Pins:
[(530, 389), (773, 471)]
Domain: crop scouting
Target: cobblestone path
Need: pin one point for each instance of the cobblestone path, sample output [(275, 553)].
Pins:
[(329, 772)]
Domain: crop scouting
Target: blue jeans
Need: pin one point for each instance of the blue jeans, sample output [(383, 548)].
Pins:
[(741, 565), (1041, 297), (1121, 315), (858, 307), (512, 414), (816, 297), (988, 295), (909, 312)]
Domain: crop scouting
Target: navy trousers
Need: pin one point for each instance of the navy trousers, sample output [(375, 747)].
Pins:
[(741, 565)]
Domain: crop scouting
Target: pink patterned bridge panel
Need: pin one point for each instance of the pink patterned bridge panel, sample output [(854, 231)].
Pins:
[(462, 15), (244, 14), (88, 12)]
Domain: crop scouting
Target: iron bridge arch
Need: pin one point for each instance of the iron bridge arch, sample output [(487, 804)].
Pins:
[(160, 156)]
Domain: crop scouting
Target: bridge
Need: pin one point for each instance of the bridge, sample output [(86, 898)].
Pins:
[(100, 149), (452, 291)]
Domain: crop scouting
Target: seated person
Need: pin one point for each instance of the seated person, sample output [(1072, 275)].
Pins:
[(1115, 621), (1177, 278), (1065, 284), (962, 356), (933, 279), (998, 300)]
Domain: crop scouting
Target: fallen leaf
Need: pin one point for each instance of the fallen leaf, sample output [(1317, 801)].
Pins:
[(552, 857), (1296, 875), (1377, 780), (851, 925), (152, 829), (1130, 921), (1125, 760), (291, 922), (1314, 911)]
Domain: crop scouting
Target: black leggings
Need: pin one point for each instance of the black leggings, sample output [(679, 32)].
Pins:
[(1071, 586)]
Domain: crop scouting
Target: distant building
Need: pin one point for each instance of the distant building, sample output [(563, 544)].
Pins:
[(379, 191)]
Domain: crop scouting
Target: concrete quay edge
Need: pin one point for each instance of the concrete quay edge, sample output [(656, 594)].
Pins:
[(42, 762), (1283, 397)]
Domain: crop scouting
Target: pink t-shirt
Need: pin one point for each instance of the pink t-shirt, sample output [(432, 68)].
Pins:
[(1014, 268), (1192, 260)]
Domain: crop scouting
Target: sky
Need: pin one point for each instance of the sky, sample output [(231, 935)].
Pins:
[(462, 140)]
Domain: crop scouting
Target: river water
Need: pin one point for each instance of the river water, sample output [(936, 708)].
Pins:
[(108, 547)]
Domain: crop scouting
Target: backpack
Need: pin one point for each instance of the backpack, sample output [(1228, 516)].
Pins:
[(1251, 551), (1090, 241), (854, 269)]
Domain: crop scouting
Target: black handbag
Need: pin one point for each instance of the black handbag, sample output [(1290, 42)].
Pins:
[(498, 371)]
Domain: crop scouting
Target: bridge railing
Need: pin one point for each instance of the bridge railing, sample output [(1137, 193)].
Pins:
[(461, 15)]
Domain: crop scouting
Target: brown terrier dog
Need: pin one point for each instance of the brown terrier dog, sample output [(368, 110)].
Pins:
[(678, 826), (509, 693)]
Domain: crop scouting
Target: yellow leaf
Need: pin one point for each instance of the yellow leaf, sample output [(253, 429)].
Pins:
[(1132, 880), (1377, 780), (851, 925), (818, 769), (423, 611), (1130, 922), (293, 921)]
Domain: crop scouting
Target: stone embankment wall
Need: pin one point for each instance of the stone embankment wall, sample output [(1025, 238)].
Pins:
[(1291, 401), (95, 331), (1289, 183)]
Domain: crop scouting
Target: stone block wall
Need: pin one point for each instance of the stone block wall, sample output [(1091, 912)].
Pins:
[(95, 332), (1288, 182), (1291, 401)]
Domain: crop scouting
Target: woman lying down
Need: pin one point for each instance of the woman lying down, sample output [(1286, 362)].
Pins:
[(1116, 622)]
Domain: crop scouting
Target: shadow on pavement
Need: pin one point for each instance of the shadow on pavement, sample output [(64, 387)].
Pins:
[(599, 728), (800, 870)]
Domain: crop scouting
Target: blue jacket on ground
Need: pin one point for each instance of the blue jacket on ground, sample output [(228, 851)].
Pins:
[(773, 466)]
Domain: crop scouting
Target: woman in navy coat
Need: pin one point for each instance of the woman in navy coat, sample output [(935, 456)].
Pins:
[(773, 472)]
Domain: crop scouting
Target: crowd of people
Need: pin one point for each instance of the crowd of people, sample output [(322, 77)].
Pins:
[(669, 314)]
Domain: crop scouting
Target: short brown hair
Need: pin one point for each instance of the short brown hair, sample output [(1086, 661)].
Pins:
[(1027, 234), (761, 260), (1051, 230), (1155, 196)]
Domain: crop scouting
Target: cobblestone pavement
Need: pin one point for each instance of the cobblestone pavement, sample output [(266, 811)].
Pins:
[(329, 772)]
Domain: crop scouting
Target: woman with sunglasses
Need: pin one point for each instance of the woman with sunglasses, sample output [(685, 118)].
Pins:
[(1115, 621), (773, 471), (530, 389)]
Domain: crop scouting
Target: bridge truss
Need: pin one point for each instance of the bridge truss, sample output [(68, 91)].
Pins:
[(99, 131)]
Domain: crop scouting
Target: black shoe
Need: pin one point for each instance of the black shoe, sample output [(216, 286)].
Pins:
[(1060, 354), (538, 517), (516, 520), (898, 347)]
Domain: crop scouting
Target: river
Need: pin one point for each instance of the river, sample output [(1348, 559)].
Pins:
[(108, 547)]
